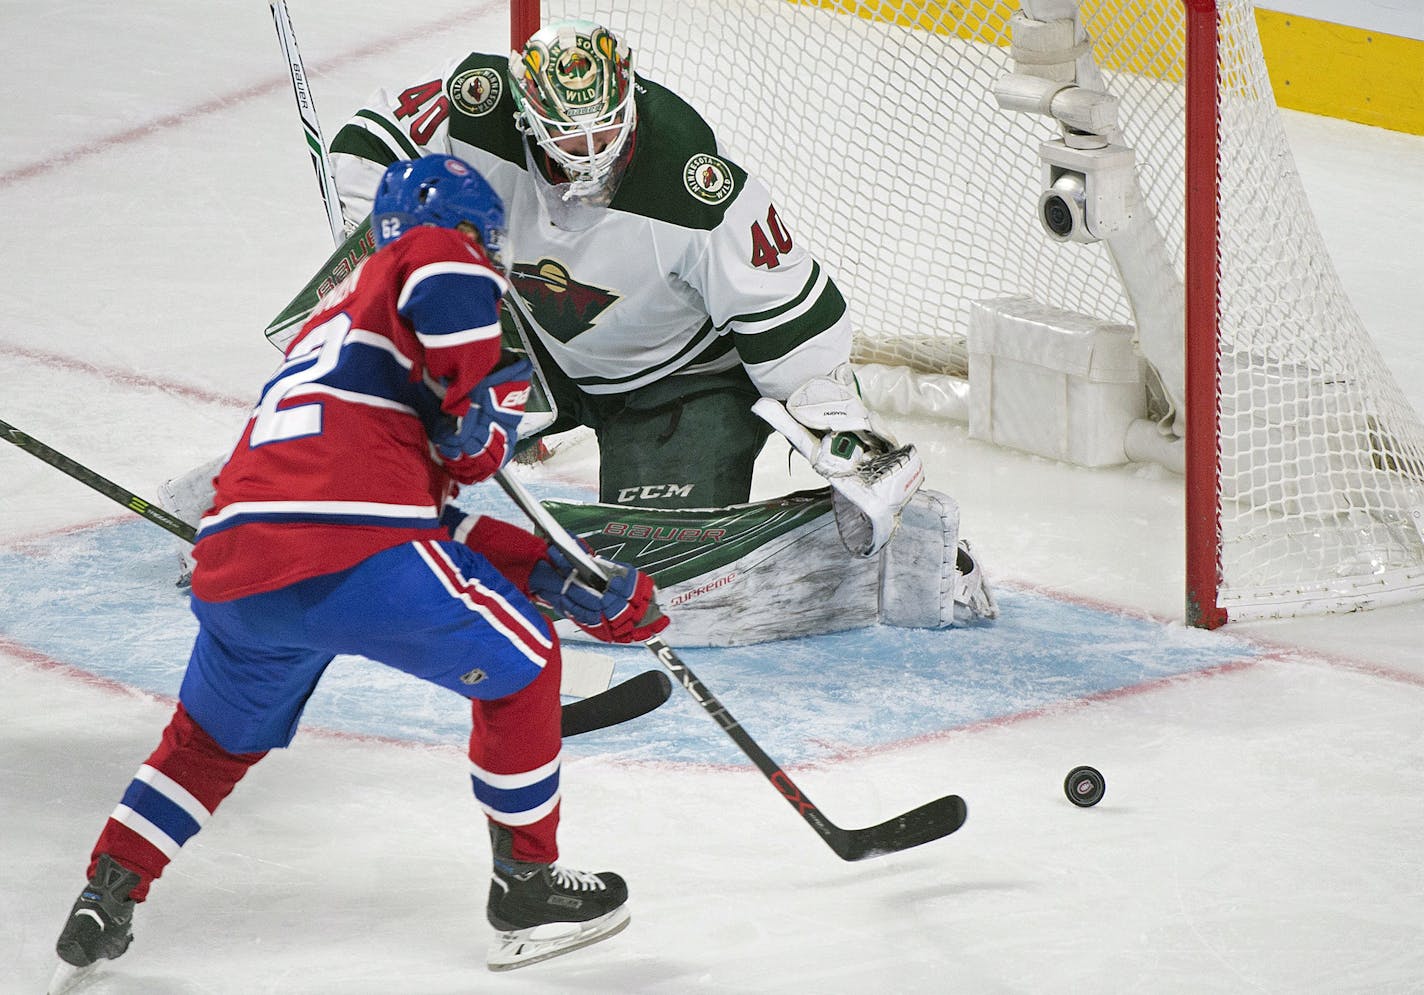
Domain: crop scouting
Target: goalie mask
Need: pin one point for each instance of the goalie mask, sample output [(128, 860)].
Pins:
[(438, 190), (573, 87)]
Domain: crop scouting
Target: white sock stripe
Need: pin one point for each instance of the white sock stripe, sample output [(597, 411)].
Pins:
[(508, 781), (164, 843), (174, 792), (466, 526), (525, 818)]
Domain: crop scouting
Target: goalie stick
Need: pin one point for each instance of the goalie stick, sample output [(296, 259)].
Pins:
[(622, 702), (311, 125), (924, 824)]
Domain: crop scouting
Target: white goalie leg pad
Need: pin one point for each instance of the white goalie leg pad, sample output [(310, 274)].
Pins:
[(522, 947), (585, 672), (918, 577), (777, 569), (191, 494), (929, 579)]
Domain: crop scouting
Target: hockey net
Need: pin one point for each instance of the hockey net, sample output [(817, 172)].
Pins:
[(876, 125)]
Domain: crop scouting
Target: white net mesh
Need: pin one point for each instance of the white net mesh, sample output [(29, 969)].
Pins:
[(876, 126)]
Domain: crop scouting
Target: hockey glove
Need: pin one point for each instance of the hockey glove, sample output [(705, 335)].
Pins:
[(623, 613), (482, 440), (826, 421)]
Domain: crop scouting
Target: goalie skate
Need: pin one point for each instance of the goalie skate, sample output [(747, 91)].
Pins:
[(973, 593)]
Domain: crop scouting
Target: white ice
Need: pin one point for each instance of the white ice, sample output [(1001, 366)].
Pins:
[(1263, 826)]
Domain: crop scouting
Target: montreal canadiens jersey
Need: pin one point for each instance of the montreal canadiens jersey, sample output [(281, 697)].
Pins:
[(690, 268), (335, 463)]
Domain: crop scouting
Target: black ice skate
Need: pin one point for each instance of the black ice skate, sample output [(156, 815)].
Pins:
[(543, 910), (98, 927)]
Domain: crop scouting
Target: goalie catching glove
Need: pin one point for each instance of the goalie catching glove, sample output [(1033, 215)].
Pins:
[(479, 442), (624, 612), (826, 421)]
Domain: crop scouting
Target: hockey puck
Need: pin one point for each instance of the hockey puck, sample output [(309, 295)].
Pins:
[(1084, 786)]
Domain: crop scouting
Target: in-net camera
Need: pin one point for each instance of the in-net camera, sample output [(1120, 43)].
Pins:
[(1087, 192)]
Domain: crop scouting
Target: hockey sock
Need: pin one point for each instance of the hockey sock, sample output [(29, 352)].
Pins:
[(169, 800), (515, 748)]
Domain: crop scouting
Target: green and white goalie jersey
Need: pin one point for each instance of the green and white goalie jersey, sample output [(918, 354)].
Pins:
[(688, 268)]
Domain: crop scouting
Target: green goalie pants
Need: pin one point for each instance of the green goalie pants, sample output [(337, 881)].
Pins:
[(684, 442)]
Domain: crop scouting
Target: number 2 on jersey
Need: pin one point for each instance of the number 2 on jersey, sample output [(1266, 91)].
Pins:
[(272, 425)]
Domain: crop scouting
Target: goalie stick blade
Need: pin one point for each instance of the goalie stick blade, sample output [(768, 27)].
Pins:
[(925, 824), (622, 702)]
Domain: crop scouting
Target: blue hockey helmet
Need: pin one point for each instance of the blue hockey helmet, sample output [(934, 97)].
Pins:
[(438, 190)]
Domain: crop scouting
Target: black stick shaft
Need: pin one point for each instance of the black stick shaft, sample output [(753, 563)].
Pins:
[(780, 780), (930, 821), (103, 485)]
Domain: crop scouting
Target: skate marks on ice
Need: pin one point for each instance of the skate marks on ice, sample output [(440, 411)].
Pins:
[(102, 599)]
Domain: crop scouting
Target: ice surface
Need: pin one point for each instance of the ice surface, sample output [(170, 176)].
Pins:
[(1264, 815)]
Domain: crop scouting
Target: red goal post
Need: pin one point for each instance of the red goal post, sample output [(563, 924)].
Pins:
[(1303, 463)]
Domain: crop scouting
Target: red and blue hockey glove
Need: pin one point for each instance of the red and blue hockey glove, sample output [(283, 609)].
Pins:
[(623, 613), (482, 440)]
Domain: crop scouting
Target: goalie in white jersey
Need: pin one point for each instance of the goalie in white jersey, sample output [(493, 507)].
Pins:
[(660, 289)]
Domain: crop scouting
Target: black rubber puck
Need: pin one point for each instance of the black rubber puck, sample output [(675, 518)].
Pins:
[(1084, 786)]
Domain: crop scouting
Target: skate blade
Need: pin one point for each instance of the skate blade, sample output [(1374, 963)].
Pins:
[(522, 947), (68, 978)]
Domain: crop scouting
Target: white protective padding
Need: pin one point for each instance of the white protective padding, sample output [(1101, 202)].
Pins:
[(190, 495), (919, 581), (187, 497), (898, 390), (1053, 383)]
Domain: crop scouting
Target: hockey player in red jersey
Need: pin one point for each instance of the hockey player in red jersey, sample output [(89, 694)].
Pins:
[(332, 533)]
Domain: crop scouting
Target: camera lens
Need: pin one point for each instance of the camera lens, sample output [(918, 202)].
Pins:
[(1057, 216)]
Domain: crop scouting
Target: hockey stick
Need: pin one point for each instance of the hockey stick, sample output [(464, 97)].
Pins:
[(622, 702), (103, 485), (928, 822), (311, 126)]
